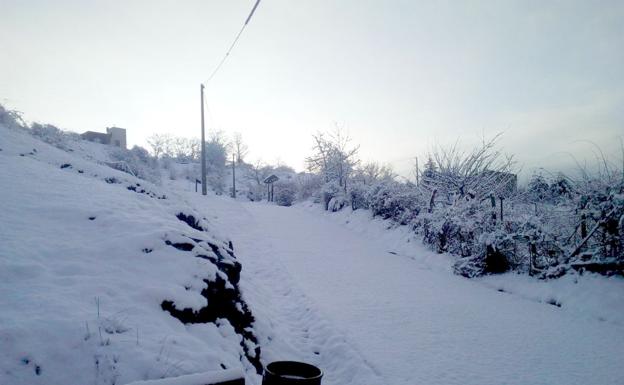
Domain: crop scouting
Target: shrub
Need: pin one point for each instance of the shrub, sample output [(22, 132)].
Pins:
[(136, 161), (285, 193), (358, 195), (11, 119), (393, 200)]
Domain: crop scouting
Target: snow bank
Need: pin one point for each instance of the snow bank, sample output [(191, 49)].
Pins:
[(588, 295), (87, 257)]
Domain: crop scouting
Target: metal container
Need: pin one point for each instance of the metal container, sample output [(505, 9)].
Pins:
[(291, 373)]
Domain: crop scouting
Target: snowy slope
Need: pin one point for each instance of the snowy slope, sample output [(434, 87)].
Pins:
[(87, 258), (392, 312)]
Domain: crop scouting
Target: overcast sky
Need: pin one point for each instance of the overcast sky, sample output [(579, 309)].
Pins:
[(400, 76)]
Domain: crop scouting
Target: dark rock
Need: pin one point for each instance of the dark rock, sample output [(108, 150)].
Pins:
[(554, 302), (181, 246), (223, 298), (190, 220), (222, 303)]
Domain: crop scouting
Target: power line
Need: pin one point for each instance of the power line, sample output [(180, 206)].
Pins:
[(234, 42)]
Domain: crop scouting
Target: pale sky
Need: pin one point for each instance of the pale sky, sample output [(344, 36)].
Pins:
[(400, 76)]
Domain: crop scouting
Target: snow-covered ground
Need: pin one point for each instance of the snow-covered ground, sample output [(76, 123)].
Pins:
[(84, 268), (391, 312)]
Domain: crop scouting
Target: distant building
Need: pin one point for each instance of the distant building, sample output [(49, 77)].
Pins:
[(114, 136)]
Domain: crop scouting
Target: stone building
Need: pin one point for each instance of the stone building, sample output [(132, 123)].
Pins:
[(114, 136)]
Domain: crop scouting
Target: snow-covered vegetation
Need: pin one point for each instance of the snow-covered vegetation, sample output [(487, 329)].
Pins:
[(468, 204)]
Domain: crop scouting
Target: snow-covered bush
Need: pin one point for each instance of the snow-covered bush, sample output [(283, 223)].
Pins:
[(358, 196), (538, 188), (10, 119), (48, 133), (337, 203), (53, 135), (255, 192), (329, 191), (394, 200), (136, 161), (285, 193)]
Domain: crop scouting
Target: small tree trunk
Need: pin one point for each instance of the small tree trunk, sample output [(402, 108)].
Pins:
[(432, 200)]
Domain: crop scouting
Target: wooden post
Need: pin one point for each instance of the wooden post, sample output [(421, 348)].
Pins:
[(530, 258), (233, 178), (203, 144), (501, 208)]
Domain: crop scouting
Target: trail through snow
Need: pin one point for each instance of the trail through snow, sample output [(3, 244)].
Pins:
[(340, 300)]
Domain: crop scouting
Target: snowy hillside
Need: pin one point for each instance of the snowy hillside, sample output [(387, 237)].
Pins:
[(90, 257)]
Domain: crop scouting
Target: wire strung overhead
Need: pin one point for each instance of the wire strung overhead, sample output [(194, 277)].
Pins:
[(234, 42)]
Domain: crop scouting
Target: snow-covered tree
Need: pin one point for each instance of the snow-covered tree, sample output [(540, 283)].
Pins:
[(484, 170), (334, 158), (538, 188), (373, 172), (216, 156), (160, 144)]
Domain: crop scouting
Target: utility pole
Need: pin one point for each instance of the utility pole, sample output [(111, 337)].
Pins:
[(233, 178), (203, 143), (417, 171)]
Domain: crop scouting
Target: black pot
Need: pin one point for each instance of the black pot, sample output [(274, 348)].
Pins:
[(291, 373)]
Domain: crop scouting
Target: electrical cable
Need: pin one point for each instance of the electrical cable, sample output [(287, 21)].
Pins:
[(233, 42)]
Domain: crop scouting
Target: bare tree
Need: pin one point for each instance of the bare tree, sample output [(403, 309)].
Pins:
[(194, 148), (160, 144), (180, 147), (334, 157), (239, 147), (258, 172), (372, 172), (484, 170)]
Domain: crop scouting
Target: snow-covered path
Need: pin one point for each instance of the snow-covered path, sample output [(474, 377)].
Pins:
[(402, 322)]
